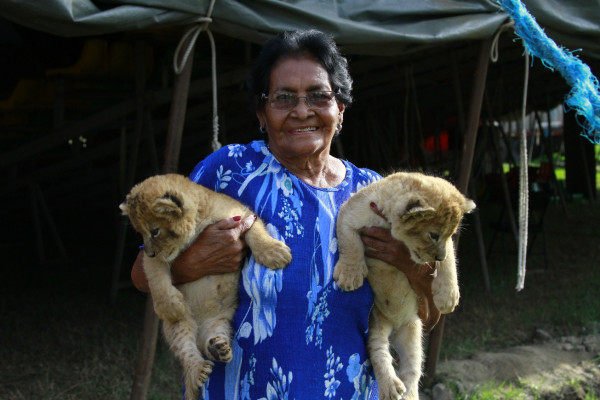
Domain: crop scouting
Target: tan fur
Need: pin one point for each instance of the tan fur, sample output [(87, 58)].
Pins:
[(423, 212), (170, 211)]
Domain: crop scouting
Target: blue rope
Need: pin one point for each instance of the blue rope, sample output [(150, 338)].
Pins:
[(583, 97)]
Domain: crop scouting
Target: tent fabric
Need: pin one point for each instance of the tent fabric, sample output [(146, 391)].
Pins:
[(375, 27)]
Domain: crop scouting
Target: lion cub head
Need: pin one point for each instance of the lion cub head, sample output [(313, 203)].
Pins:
[(163, 209), (428, 215)]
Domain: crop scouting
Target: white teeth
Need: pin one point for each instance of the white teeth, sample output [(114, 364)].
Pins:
[(306, 129)]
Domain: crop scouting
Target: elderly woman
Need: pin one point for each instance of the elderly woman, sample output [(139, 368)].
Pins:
[(296, 335)]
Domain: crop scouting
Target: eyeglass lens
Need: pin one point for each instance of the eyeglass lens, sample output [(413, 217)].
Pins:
[(287, 101)]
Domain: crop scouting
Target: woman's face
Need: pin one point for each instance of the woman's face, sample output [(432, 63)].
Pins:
[(302, 131)]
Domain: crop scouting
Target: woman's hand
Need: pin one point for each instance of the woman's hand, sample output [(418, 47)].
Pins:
[(219, 249)]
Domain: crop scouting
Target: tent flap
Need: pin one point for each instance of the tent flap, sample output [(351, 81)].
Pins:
[(360, 26)]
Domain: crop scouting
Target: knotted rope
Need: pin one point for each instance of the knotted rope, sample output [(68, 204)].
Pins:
[(187, 44)]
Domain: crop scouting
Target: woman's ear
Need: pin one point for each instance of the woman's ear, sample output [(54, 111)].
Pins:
[(262, 119)]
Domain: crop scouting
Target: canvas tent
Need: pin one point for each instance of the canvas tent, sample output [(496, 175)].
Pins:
[(400, 30), (361, 27)]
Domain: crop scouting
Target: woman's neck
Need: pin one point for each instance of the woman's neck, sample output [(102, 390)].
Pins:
[(322, 172)]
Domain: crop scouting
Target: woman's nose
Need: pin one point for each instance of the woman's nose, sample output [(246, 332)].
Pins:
[(302, 109)]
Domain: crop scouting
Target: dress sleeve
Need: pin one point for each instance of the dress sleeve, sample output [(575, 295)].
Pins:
[(205, 172)]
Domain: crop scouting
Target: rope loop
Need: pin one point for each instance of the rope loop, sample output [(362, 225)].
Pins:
[(523, 185), (494, 51), (188, 42)]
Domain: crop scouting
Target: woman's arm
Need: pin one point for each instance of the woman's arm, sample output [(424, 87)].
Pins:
[(219, 249), (380, 244)]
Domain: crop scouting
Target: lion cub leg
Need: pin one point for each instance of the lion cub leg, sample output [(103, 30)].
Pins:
[(167, 299), (408, 344), (181, 336), (215, 310), (444, 286), (215, 337), (267, 250), (380, 329), (351, 269)]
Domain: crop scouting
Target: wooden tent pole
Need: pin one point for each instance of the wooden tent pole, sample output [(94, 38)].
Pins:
[(147, 349), (476, 218), (477, 91)]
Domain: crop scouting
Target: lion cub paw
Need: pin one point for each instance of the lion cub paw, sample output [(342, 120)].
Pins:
[(172, 308), (391, 389), (275, 255), (445, 297), (196, 377), (349, 276), (219, 349)]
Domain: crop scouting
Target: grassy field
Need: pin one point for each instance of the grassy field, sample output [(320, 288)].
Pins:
[(61, 339)]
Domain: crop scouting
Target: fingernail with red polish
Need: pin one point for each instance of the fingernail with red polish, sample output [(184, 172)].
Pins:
[(237, 218), (255, 216)]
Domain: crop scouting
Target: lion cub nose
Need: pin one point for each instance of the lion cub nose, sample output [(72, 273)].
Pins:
[(149, 253)]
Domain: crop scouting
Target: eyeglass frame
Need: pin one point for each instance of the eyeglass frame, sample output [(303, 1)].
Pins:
[(265, 96)]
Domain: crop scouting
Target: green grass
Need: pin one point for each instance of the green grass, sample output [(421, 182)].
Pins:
[(510, 391), (493, 391)]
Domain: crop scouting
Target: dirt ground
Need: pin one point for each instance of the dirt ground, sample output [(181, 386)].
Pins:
[(563, 368)]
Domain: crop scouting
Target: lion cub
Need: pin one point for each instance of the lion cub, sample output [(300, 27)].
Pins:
[(423, 212), (170, 211)]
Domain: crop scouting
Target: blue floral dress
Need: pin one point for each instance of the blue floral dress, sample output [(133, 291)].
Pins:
[(297, 336)]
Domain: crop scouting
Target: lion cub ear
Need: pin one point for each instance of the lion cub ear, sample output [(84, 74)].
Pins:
[(169, 206), (124, 208), (469, 206), (417, 209)]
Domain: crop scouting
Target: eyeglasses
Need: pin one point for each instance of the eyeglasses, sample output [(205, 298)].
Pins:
[(287, 101)]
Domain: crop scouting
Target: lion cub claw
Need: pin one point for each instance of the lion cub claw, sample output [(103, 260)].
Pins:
[(196, 377), (392, 389), (275, 256), (349, 276), (220, 349), (445, 297)]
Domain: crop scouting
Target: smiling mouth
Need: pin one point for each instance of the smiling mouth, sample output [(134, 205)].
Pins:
[(309, 129)]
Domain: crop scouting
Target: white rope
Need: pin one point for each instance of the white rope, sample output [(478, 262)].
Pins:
[(523, 186), (215, 144), (494, 50), (187, 43)]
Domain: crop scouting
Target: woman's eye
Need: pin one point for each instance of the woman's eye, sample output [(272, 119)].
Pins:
[(318, 96), (283, 97), (283, 100), (154, 232)]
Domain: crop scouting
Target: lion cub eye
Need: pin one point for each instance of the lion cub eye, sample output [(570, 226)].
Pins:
[(434, 236), (154, 232)]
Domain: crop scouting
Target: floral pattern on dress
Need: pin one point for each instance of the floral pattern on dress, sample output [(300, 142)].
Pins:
[(279, 387), (360, 375), (332, 367), (314, 331), (262, 285)]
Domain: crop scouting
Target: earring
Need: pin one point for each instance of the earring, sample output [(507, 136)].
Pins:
[(338, 128), (262, 129)]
